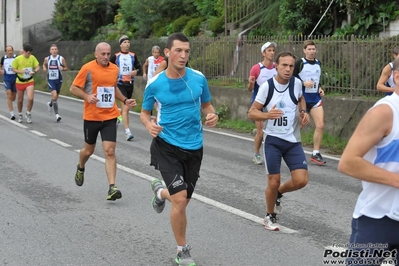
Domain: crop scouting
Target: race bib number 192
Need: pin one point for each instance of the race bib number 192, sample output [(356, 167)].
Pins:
[(106, 97)]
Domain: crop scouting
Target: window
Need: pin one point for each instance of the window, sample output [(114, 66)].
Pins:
[(17, 10)]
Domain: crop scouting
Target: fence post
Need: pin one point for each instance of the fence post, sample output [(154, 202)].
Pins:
[(204, 54), (352, 57)]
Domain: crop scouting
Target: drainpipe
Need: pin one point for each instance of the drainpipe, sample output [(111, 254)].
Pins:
[(237, 51), (5, 23)]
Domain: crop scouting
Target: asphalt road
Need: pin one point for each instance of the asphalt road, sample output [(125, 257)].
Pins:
[(48, 220)]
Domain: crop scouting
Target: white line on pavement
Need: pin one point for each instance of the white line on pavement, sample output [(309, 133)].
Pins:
[(63, 144), (40, 134)]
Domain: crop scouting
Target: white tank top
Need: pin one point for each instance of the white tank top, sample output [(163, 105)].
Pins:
[(376, 200), (287, 127)]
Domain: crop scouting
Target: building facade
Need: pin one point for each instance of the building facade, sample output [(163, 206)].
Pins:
[(24, 21)]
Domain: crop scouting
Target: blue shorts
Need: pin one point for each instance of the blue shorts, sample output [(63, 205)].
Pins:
[(292, 153), (10, 85), (372, 236), (311, 105), (55, 85)]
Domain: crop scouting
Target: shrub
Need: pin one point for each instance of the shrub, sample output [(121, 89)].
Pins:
[(193, 26)]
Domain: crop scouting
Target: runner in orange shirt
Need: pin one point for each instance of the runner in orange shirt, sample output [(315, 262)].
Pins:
[(96, 83)]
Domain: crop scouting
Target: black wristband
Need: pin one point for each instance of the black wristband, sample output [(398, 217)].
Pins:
[(303, 111), (124, 101)]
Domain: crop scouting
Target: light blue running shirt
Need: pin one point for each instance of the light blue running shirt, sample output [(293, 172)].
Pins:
[(179, 107)]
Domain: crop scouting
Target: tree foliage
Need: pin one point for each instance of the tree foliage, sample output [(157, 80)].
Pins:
[(78, 19)]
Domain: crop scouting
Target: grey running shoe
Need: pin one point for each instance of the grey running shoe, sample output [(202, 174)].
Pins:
[(270, 222), (28, 118), (278, 208), (317, 158), (157, 204), (114, 193), (129, 136), (79, 176), (257, 159), (20, 119), (57, 118), (49, 108), (184, 258)]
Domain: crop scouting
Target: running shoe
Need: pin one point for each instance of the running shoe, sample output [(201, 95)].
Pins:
[(184, 258), (257, 159), (278, 208), (157, 204), (12, 117), (129, 136), (270, 222), (28, 118), (20, 119), (49, 108), (114, 193), (79, 176), (57, 118), (317, 158)]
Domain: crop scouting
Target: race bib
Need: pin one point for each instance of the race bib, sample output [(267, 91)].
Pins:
[(314, 88), (53, 74), (106, 97), (8, 69), (26, 72)]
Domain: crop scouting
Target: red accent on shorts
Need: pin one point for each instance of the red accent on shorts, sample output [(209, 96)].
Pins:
[(22, 87)]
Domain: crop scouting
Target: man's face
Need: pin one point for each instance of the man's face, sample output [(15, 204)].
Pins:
[(103, 55), (310, 52), (285, 67), (27, 54), (53, 50), (9, 51), (179, 54), (155, 53), (125, 46), (268, 53)]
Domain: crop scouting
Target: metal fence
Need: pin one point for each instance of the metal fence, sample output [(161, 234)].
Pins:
[(350, 65)]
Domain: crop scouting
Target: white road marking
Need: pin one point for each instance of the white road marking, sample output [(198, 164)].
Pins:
[(12, 121), (63, 144), (40, 134)]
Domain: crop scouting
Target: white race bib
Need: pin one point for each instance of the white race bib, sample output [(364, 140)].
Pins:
[(106, 97), (26, 72), (314, 88), (53, 74), (8, 68)]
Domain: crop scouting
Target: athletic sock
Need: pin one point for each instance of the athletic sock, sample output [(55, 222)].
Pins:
[(159, 194), (315, 152)]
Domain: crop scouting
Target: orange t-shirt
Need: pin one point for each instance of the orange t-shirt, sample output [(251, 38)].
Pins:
[(96, 79)]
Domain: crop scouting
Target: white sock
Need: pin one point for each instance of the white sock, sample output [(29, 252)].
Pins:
[(27, 112), (159, 194), (12, 113), (127, 131), (315, 152), (180, 248)]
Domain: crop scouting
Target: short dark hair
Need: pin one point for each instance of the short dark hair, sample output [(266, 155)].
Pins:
[(28, 47), (308, 42), (176, 36), (284, 54), (395, 50)]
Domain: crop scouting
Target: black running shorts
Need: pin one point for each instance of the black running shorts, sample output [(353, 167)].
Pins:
[(179, 168)]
